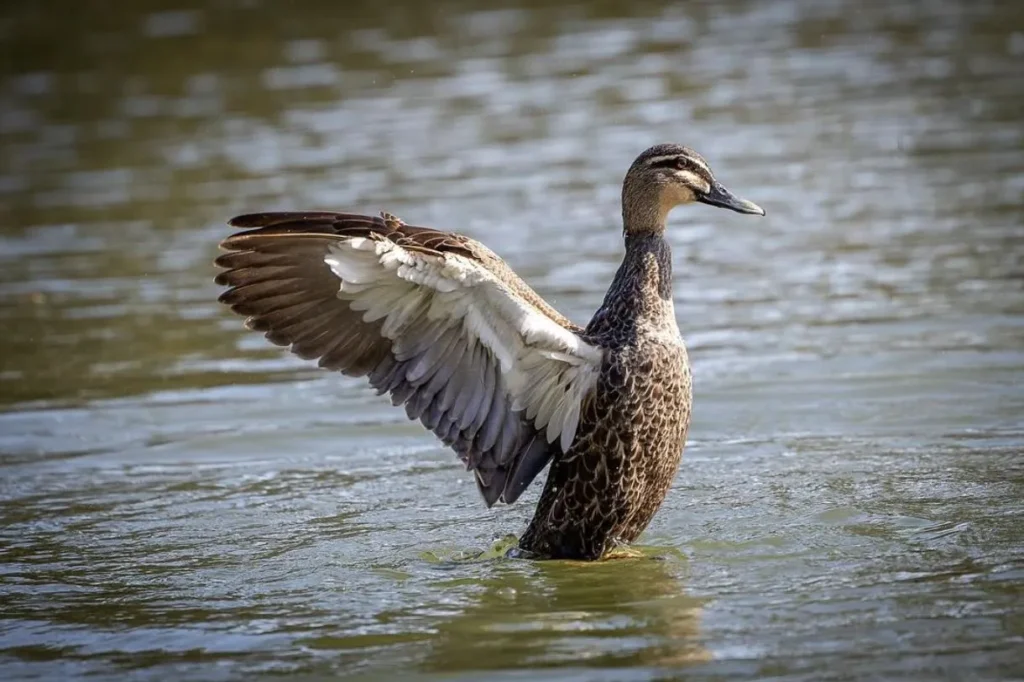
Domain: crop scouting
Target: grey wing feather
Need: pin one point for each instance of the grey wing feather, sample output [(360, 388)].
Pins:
[(276, 276)]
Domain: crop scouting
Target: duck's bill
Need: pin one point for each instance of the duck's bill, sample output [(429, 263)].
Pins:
[(723, 198)]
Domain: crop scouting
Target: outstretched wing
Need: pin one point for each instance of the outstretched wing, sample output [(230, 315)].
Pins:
[(433, 318)]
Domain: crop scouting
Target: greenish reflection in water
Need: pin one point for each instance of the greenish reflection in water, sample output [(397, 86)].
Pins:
[(179, 500)]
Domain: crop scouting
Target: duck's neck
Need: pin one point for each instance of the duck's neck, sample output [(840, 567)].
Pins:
[(641, 292)]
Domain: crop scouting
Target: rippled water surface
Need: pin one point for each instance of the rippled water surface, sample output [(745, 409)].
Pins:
[(181, 500)]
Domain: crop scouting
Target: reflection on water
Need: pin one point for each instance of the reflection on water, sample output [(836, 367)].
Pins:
[(605, 615), (508, 615), (180, 499)]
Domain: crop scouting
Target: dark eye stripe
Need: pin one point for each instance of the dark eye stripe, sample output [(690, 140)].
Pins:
[(684, 164)]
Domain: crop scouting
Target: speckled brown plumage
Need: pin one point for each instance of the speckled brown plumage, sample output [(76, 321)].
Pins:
[(607, 487), (443, 325)]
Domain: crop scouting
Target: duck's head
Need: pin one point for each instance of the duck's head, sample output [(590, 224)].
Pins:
[(666, 176)]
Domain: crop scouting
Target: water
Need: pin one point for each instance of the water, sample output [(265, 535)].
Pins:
[(181, 500)]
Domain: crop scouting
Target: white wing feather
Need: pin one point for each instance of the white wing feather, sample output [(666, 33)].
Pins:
[(548, 369)]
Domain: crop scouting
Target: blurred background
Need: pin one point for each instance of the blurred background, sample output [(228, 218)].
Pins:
[(180, 499)]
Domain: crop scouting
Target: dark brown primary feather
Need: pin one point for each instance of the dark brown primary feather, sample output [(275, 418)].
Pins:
[(278, 279)]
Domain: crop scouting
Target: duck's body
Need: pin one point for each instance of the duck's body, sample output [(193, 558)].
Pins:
[(629, 443), (449, 330)]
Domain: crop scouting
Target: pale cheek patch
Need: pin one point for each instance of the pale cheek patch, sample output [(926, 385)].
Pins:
[(676, 195), (691, 179)]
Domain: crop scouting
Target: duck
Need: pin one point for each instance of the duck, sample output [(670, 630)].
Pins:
[(445, 327)]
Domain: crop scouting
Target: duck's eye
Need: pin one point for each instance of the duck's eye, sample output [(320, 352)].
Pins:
[(680, 164)]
